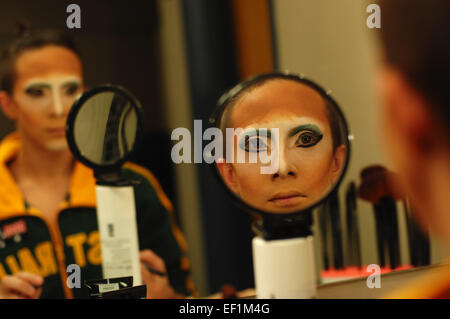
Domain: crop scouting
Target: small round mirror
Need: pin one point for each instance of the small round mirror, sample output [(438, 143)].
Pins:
[(103, 127), (286, 145)]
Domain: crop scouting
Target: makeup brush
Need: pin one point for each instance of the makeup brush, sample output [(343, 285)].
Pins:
[(322, 216), (336, 229), (419, 243), (379, 187), (389, 218), (352, 226)]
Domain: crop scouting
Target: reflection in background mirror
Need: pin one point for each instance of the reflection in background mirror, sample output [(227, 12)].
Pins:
[(114, 132)]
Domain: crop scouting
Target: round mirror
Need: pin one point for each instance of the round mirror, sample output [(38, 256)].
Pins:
[(286, 145), (103, 126)]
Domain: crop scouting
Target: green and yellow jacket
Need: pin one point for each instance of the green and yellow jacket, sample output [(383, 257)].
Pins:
[(28, 242)]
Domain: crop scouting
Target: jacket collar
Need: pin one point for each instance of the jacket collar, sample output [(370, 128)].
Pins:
[(12, 203)]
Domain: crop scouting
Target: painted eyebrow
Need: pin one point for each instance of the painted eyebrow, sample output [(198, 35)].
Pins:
[(38, 85), (254, 132), (311, 127), (72, 82), (46, 85)]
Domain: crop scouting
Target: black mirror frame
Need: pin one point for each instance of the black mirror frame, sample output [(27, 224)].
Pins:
[(70, 124), (214, 121)]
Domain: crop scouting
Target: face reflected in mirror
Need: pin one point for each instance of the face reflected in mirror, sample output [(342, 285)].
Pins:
[(105, 127), (47, 81), (291, 124)]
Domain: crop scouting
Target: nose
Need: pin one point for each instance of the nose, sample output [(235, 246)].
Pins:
[(286, 167), (58, 106)]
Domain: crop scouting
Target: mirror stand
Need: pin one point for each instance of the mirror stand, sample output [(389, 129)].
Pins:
[(283, 257), (116, 213), (116, 216), (297, 121), (103, 129)]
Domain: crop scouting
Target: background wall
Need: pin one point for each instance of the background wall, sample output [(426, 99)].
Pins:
[(179, 114)]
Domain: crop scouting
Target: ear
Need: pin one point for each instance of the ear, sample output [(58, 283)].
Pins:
[(228, 175), (7, 105), (340, 156)]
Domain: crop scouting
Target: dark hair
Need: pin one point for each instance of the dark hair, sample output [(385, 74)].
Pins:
[(415, 35), (230, 99), (27, 39)]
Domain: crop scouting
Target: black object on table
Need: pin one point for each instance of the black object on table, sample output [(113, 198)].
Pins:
[(387, 231), (419, 242), (329, 216), (354, 251)]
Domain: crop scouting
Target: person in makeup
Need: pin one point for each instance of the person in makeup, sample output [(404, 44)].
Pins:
[(47, 199), (415, 119), (308, 160)]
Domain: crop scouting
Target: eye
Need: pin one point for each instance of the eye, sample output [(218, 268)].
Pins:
[(308, 139), (35, 91), (255, 144), (71, 89)]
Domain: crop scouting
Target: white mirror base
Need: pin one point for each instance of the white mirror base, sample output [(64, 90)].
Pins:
[(116, 215), (285, 268)]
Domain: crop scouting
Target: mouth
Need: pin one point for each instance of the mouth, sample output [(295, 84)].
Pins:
[(287, 198), (56, 131)]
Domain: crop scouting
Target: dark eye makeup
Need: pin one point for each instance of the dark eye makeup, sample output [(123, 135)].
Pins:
[(308, 138), (71, 88), (36, 90), (254, 144), (255, 141), (308, 135)]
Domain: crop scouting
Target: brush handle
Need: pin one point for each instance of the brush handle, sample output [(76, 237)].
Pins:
[(390, 211), (336, 229), (352, 226), (380, 231), (323, 218), (419, 243)]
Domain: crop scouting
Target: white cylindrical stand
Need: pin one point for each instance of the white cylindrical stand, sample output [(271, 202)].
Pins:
[(284, 268), (116, 215)]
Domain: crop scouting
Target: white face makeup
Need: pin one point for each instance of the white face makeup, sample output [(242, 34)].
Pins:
[(47, 82), (54, 91), (270, 140), (297, 155), (44, 103)]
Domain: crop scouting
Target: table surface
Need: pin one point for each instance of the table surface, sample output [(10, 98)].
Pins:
[(357, 288)]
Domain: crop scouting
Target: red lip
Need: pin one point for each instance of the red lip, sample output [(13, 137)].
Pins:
[(56, 131), (287, 198)]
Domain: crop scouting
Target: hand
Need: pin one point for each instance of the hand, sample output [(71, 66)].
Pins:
[(23, 285), (158, 287)]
